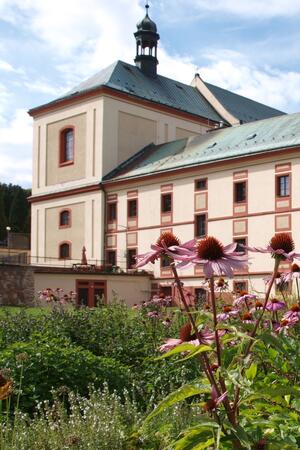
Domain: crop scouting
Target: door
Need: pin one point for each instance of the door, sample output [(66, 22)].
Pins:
[(90, 293)]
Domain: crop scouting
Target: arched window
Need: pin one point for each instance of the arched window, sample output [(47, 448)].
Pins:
[(65, 250), (65, 218), (67, 146)]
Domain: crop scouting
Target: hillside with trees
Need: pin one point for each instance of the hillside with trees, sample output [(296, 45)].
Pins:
[(14, 209)]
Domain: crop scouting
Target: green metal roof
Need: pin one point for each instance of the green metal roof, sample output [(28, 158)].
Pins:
[(129, 79), (243, 108), (219, 145)]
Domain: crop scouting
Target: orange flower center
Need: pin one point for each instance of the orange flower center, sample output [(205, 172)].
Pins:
[(185, 333), (247, 316), (274, 300), (284, 322), (242, 293), (210, 248), (295, 268), (295, 308), (282, 241), (168, 238), (227, 309), (221, 282), (258, 304)]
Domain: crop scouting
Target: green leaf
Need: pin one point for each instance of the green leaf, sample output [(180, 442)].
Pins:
[(241, 435), (269, 339), (186, 391), (192, 440), (197, 350), (251, 372)]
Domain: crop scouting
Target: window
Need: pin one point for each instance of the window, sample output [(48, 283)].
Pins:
[(240, 286), (111, 212), (131, 261), (65, 218), (240, 192), (200, 297), (65, 251), (201, 185), (132, 208), (200, 225), (166, 203), (164, 261), (111, 258), (67, 146), (240, 242), (283, 186)]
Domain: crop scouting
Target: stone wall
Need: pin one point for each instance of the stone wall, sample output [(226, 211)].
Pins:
[(16, 285)]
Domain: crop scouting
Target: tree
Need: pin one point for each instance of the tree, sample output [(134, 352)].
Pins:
[(18, 210), (3, 219)]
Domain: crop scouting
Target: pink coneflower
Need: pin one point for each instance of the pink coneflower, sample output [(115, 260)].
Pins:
[(244, 297), (286, 324), (281, 246), (294, 311), (278, 279), (275, 305), (294, 274), (227, 313), (153, 314), (257, 307), (247, 318), (212, 404), (167, 244), (186, 336), (216, 259)]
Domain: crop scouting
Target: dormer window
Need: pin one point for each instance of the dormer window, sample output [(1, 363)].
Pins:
[(67, 146), (65, 218)]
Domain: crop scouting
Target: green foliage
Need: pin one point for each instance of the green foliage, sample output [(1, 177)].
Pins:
[(14, 209)]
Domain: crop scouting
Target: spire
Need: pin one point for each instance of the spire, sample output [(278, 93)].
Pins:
[(146, 45)]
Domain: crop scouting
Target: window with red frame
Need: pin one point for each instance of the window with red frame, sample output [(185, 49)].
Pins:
[(166, 203), (64, 251), (240, 286), (65, 218), (111, 258), (67, 146), (283, 186), (132, 208), (240, 192), (131, 261), (239, 244), (201, 184), (200, 225), (111, 212)]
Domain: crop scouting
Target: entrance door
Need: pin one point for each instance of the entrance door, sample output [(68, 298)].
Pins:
[(90, 293), (200, 297)]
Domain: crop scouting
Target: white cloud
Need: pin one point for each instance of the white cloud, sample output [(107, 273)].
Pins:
[(267, 85), (15, 149), (261, 9), (43, 87)]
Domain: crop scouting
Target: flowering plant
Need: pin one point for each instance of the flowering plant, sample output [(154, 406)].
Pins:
[(248, 354)]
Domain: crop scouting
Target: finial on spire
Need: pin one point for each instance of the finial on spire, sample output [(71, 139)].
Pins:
[(147, 6)]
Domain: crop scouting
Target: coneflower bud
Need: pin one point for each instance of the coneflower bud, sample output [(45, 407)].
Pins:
[(295, 268)]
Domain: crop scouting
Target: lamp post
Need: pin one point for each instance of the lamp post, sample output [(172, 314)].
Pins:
[(8, 229)]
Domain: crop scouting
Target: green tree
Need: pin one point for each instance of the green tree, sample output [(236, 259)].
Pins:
[(18, 210), (3, 219)]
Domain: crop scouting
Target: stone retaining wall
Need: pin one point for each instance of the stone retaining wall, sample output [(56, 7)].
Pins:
[(16, 285)]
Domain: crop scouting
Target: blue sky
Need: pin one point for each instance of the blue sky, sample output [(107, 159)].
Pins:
[(47, 47)]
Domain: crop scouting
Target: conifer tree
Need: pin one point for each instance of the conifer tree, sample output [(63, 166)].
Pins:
[(3, 219)]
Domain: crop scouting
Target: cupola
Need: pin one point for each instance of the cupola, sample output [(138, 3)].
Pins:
[(146, 45)]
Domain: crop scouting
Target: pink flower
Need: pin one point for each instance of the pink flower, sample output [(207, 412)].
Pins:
[(216, 259), (153, 314), (186, 336), (294, 274), (281, 246), (294, 311), (167, 244), (247, 318), (275, 305), (278, 279), (286, 324), (243, 299), (227, 313), (212, 404)]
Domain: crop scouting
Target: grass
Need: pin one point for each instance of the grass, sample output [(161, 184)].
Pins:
[(32, 310)]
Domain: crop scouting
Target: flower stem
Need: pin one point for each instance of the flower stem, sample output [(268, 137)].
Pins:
[(298, 291), (248, 348), (207, 368), (214, 308)]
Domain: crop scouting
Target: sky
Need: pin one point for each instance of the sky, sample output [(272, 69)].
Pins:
[(47, 47)]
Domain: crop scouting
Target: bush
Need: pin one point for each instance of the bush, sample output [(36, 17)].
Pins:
[(39, 366)]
